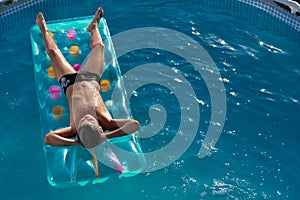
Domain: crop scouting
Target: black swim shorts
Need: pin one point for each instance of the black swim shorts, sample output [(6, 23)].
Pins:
[(69, 79)]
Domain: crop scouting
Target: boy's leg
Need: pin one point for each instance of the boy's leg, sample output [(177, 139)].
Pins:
[(59, 63), (95, 61)]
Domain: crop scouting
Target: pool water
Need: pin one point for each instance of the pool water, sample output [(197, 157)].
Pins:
[(258, 58)]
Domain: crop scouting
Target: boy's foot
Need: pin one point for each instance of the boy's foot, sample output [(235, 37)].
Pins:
[(98, 15), (40, 21)]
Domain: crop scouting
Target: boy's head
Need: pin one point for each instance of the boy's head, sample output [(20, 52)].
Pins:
[(89, 131)]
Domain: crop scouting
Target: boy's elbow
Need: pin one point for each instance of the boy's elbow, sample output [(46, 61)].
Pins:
[(47, 138), (136, 125)]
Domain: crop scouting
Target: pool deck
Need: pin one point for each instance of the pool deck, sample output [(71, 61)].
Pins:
[(287, 5)]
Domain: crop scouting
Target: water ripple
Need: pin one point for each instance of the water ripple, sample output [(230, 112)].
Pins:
[(271, 48)]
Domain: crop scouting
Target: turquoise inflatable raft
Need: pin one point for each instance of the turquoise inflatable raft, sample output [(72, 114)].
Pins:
[(67, 166)]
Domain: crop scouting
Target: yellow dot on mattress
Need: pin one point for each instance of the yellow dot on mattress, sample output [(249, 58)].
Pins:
[(74, 48), (74, 51), (57, 112), (105, 85), (51, 73)]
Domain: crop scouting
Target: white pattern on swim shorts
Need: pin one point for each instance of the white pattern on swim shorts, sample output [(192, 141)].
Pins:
[(64, 82)]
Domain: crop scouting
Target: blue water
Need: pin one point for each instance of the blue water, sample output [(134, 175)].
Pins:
[(256, 155)]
